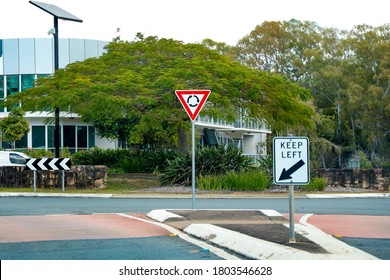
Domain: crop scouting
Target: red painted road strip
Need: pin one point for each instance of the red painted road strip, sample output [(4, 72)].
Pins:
[(73, 227), (358, 226), (353, 225)]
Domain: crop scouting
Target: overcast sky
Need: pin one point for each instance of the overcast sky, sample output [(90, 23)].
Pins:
[(185, 20)]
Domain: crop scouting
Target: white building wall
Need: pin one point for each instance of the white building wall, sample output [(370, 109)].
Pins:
[(105, 143)]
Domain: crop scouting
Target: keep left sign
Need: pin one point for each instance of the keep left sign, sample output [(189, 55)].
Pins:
[(291, 160)]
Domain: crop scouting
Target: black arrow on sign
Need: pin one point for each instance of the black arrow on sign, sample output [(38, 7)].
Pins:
[(286, 174)]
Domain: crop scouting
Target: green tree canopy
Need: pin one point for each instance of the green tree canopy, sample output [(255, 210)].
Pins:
[(346, 72), (133, 85), (14, 127)]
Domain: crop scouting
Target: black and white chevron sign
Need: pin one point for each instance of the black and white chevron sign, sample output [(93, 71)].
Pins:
[(48, 163)]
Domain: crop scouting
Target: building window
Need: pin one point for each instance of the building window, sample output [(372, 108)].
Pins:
[(27, 81), (74, 137), (91, 136), (38, 137), (1, 93), (82, 137), (22, 143), (2, 87), (12, 84), (69, 140)]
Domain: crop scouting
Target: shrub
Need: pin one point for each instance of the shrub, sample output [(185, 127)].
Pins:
[(233, 181), (98, 156), (316, 184), (209, 161), (157, 160), (126, 160), (38, 153), (131, 164)]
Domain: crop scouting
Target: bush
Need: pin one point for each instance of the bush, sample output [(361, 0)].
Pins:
[(38, 153), (126, 160), (98, 156), (232, 181), (157, 160), (316, 184), (209, 161)]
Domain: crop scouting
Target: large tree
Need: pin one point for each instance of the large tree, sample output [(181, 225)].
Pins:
[(133, 85), (346, 72)]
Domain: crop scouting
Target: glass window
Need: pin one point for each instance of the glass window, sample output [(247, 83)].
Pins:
[(82, 136), (38, 136), (19, 144), (26, 56), (44, 56), (91, 136), (50, 136), (63, 52), (76, 50), (11, 56), (1, 93), (16, 159), (12, 84), (27, 81), (69, 136), (22, 143), (2, 87), (6, 145)]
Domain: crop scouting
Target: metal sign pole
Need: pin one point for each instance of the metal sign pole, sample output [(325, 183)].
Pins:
[(291, 208), (193, 163), (63, 180), (35, 180)]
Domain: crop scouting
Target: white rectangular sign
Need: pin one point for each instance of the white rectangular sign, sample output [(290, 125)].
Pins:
[(291, 160)]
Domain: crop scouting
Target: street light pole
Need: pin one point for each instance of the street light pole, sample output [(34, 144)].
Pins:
[(57, 134), (57, 13)]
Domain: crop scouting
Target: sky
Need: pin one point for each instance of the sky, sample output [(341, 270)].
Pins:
[(189, 21)]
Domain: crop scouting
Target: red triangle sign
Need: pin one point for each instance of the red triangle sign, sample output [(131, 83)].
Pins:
[(192, 100)]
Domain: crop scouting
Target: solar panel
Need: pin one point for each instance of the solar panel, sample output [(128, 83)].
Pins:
[(56, 11)]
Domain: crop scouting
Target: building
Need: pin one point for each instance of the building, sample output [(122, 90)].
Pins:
[(24, 60)]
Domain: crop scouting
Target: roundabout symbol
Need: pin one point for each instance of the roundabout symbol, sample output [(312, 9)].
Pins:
[(191, 97)]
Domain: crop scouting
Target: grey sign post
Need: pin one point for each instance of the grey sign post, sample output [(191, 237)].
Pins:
[(193, 101), (291, 166)]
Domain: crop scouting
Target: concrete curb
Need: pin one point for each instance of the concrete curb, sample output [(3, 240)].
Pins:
[(70, 195), (350, 195)]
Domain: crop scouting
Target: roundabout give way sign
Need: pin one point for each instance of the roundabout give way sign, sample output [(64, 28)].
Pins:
[(291, 160), (192, 101)]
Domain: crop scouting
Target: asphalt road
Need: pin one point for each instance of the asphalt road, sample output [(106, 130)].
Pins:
[(378, 247), (10, 206), (150, 248), (159, 246)]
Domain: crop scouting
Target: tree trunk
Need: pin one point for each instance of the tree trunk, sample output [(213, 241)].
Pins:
[(183, 140)]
